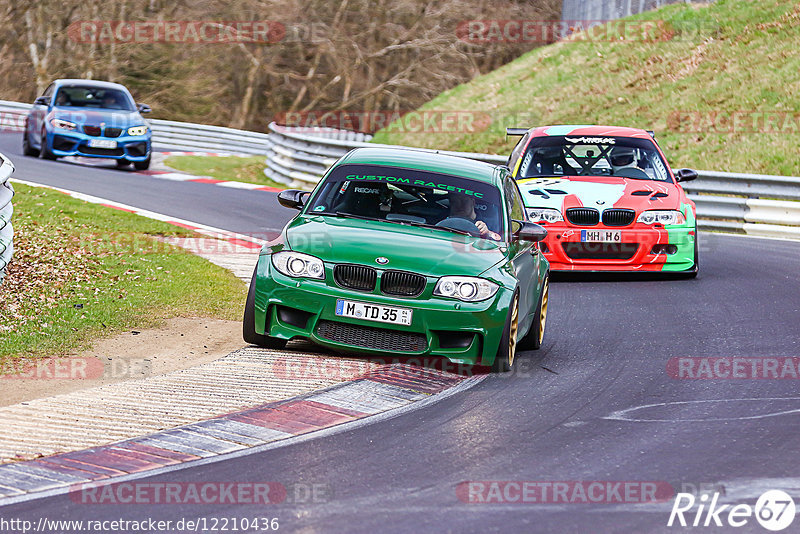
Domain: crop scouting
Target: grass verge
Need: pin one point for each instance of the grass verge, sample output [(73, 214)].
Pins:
[(248, 169), (722, 93), (82, 271)]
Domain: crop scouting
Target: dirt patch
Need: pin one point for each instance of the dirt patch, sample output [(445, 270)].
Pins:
[(181, 343)]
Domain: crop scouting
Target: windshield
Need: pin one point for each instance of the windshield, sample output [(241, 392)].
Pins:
[(564, 155), (410, 196), (93, 97)]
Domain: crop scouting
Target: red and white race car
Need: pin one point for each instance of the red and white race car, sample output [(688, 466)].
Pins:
[(608, 198)]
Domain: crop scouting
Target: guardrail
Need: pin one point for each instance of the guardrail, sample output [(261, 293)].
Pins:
[(167, 135), (6, 211), (732, 202), (755, 204)]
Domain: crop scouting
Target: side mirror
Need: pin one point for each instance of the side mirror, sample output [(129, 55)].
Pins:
[(529, 231), (292, 198), (42, 101), (144, 108), (686, 175)]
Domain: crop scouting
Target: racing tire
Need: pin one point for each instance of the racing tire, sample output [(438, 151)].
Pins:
[(45, 152), (533, 339), (122, 163), (249, 323), (27, 149), (695, 269), (507, 350), (142, 165)]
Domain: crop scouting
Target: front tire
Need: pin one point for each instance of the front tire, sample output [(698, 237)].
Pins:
[(142, 165), (533, 339), (249, 322), (122, 163), (45, 152), (504, 360)]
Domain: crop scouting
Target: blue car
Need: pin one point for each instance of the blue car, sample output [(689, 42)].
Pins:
[(88, 118)]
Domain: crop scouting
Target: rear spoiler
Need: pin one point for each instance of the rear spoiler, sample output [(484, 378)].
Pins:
[(516, 131)]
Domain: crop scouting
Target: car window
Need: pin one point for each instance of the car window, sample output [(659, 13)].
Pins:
[(93, 97), (565, 155), (409, 196), (48, 91), (514, 202), (512, 159)]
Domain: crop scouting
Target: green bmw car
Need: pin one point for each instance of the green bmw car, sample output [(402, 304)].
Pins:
[(404, 252)]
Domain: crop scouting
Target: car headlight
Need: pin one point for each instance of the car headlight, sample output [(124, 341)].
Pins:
[(466, 288), (137, 130), (63, 125), (298, 265), (547, 215), (664, 217)]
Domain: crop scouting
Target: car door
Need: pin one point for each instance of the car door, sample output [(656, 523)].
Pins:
[(37, 115), (524, 255)]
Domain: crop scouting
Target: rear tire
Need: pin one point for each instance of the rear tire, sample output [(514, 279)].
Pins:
[(45, 152), (249, 323), (533, 339), (142, 165), (27, 149), (507, 350)]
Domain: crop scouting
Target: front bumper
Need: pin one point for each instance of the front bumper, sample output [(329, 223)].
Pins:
[(75, 143), (462, 332), (642, 247)]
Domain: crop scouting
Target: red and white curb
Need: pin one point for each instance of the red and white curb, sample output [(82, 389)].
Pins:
[(388, 390), (182, 177), (235, 239)]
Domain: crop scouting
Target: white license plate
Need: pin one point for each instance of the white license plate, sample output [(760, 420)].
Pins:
[(601, 236), (102, 143), (373, 312)]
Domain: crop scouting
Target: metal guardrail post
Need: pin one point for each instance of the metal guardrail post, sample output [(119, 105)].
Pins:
[(6, 211)]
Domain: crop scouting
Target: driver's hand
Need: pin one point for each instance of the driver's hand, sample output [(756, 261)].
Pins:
[(485, 232)]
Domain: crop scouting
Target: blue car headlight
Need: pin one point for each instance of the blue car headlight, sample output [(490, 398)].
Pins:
[(63, 125), (137, 130)]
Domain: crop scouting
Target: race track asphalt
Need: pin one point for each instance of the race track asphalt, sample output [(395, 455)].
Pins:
[(567, 413)]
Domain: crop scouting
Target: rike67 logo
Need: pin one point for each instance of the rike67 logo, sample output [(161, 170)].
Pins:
[(774, 510)]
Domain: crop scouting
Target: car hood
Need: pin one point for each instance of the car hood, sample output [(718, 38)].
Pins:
[(94, 117), (601, 192), (422, 250)]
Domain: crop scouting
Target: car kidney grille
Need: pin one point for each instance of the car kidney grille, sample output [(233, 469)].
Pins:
[(618, 217), (402, 283), (583, 216), (357, 277), (91, 130), (112, 132), (371, 338)]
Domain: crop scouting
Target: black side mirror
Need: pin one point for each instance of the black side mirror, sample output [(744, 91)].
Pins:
[(144, 108), (292, 198), (686, 175), (42, 101), (529, 231)]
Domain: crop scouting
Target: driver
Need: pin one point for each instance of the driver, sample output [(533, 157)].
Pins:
[(622, 157), (110, 101), (463, 207)]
